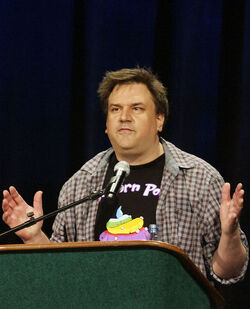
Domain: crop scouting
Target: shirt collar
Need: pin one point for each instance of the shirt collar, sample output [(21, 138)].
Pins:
[(175, 159)]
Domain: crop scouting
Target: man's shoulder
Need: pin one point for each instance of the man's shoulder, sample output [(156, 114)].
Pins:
[(99, 161), (95, 164), (191, 162)]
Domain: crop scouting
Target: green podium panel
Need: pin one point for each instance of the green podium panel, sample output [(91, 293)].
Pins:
[(102, 275)]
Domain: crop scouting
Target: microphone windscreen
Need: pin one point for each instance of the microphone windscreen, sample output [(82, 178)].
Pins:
[(122, 165)]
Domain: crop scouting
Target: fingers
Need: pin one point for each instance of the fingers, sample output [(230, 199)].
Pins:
[(8, 201), (5, 204), (239, 192), (37, 202), (238, 187), (225, 193), (9, 206), (16, 209), (15, 195), (238, 196), (11, 199), (231, 208)]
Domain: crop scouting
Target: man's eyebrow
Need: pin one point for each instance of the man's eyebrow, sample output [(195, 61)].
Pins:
[(138, 103), (132, 104), (114, 104), (135, 104)]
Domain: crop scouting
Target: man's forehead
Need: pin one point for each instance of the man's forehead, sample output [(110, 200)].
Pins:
[(133, 90)]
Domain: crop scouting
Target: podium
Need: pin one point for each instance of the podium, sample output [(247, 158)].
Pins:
[(127, 274)]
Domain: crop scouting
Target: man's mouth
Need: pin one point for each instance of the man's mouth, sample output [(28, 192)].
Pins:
[(125, 130)]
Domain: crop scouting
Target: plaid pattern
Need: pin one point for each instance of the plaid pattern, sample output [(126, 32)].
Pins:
[(187, 212)]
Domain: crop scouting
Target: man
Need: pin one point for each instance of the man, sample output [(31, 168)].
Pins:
[(184, 195)]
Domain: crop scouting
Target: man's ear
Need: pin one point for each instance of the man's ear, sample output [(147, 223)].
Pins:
[(160, 118)]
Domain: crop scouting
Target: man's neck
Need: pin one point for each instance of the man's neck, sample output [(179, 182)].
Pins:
[(139, 159)]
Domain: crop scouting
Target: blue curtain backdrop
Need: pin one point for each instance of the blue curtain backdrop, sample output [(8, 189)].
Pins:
[(53, 56)]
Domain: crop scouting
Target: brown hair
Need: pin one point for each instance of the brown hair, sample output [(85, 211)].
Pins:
[(135, 75)]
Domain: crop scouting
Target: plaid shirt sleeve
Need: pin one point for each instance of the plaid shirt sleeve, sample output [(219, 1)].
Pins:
[(66, 196), (188, 209), (77, 223)]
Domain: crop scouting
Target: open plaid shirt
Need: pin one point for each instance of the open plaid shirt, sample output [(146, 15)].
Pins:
[(187, 212)]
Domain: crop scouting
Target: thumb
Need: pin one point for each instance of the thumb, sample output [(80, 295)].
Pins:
[(38, 203)]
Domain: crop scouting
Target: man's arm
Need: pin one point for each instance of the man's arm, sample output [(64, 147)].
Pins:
[(15, 213), (230, 256)]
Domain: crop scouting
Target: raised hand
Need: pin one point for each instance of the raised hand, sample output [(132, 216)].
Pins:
[(231, 208), (231, 254), (16, 210)]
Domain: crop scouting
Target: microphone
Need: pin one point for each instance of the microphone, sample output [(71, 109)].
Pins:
[(122, 170), (109, 203)]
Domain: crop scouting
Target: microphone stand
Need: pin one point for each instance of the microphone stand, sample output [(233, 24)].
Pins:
[(92, 196)]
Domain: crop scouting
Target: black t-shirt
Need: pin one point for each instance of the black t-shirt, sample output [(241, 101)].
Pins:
[(138, 195)]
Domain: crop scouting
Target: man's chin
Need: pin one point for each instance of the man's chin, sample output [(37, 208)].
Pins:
[(125, 148)]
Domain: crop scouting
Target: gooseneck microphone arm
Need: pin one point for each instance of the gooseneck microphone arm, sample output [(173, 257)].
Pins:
[(92, 196)]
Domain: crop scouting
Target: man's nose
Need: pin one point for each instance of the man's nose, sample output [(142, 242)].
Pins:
[(125, 115)]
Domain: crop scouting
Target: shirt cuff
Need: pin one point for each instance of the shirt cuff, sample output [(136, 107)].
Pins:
[(231, 280)]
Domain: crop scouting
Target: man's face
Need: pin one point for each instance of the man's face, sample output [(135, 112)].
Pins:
[(132, 124)]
